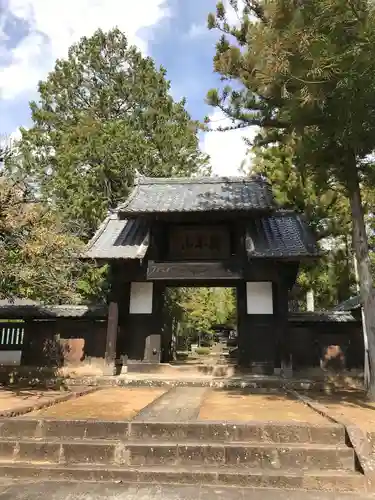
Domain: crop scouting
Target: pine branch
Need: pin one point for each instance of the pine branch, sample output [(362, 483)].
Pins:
[(257, 9), (253, 121), (354, 10)]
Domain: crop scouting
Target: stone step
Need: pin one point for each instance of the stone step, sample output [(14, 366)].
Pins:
[(225, 476), (239, 381), (265, 456), (214, 369), (253, 432)]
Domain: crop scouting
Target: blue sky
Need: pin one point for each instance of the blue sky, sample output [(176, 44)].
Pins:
[(33, 33), (183, 44)]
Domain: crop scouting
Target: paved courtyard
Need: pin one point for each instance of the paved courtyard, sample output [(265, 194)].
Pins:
[(241, 405), (352, 405), (97, 491), (182, 404), (14, 400), (108, 404)]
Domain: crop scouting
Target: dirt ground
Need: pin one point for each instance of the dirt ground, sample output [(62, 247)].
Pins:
[(17, 399), (106, 404), (352, 405), (232, 405)]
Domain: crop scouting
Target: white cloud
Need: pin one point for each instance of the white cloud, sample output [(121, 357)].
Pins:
[(55, 25), (8, 140), (15, 135), (234, 17), (227, 150), (198, 30)]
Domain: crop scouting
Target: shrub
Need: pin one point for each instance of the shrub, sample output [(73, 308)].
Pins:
[(203, 351)]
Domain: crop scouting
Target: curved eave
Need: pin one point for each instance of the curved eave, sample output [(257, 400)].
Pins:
[(125, 239)]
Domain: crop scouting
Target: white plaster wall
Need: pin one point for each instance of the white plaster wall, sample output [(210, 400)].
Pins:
[(141, 298), (259, 297), (10, 357)]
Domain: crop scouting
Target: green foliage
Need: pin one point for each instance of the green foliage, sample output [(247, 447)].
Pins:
[(92, 284), (103, 116), (305, 71), (39, 257), (331, 278), (326, 210), (201, 308), (202, 351), (325, 207)]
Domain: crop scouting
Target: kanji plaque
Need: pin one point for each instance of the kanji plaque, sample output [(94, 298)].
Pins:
[(199, 243)]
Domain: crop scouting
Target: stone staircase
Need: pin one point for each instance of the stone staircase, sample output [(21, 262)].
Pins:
[(265, 454)]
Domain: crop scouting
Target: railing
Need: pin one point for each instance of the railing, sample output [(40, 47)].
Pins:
[(11, 342), (11, 336)]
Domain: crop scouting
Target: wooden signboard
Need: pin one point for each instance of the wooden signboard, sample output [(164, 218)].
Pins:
[(199, 243), (191, 271)]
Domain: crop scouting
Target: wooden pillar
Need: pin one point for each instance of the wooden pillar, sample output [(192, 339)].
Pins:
[(111, 342), (124, 334), (166, 323), (28, 335), (283, 327), (112, 325), (242, 337)]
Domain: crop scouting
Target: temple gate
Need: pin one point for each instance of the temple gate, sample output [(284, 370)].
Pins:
[(201, 232)]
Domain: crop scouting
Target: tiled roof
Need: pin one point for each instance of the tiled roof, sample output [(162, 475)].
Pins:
[(164, 195), (20, 308), (18, 302), (349, 304), (321, 316), (119, 239), (283, 234)]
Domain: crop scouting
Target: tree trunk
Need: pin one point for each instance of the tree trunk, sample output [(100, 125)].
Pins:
[(360, 243)]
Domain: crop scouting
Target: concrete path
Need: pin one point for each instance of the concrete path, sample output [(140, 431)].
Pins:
[(98, 491), (180, 404)]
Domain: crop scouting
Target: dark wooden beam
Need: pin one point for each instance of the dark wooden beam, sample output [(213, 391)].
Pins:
[(193, 271)]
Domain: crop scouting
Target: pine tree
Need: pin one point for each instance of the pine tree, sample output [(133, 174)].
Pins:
[(327, 212), (104, 115), (307, 70)]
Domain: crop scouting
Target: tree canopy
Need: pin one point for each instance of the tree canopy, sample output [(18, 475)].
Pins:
[(197, 310), (326, 211), (39, 257), (105, 115), (306, 71), (204, 307)]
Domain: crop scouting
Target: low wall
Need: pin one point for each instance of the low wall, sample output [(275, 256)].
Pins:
[(77, 344), (10, 358), (328, 344)]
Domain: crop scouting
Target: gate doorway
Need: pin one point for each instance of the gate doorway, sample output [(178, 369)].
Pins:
[(199, 323)]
